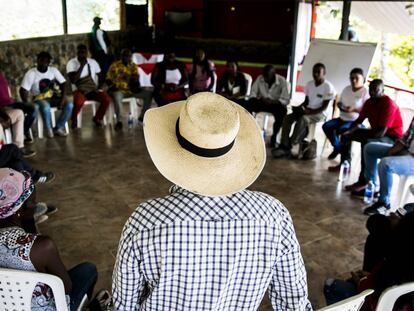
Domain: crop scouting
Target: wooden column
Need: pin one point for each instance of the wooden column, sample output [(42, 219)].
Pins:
[(122, 12), (346, 11)]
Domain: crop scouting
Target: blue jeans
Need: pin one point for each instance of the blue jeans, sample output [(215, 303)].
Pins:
[(400, 164), (44, 107), (333, 129), (339, 290), (83, 278)]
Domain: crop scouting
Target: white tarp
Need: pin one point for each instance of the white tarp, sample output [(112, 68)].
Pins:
[(389, 16)]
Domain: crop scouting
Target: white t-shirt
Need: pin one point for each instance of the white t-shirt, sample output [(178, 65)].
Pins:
[(33, 77), (318, 94), (353, 99), (172, 76), (100, 37), (73, 66)]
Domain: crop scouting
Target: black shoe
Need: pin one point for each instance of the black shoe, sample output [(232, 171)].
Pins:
[(118, 126), (361, 194), (28, 140), (51, 210), (45, 178), (378, 208), (27, 153), (333, 155), (280, 152)]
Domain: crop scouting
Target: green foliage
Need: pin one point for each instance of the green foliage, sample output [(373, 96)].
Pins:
[(402, 61)]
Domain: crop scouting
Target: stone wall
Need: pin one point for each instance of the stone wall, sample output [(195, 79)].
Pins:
[(17, 56)]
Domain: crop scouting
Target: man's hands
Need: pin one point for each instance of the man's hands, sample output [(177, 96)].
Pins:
[(5, 120), (358, 276)]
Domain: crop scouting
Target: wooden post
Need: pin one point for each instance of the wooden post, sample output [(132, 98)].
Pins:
[(346, 11), (122, 11)]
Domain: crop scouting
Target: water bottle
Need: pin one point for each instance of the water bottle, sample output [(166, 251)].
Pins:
[(130, 121), (344, 171), (369, 192)]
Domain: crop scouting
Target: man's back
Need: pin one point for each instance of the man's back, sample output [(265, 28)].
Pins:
[(192, 252)]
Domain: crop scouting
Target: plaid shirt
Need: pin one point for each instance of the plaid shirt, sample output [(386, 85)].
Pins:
[(192, 252), (408, 135)]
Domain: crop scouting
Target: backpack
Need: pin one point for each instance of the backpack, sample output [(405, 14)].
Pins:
[(308, 150)]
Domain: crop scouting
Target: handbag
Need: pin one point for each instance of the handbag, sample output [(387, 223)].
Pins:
[(86, 84)]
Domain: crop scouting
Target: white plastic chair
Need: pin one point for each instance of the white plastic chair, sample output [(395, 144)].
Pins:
[(403, 189), (16, 288), (8, 138), (108, 115), (389, 296), (353, 303)]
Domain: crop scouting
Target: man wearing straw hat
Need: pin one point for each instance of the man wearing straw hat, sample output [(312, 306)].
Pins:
[(210, 244)]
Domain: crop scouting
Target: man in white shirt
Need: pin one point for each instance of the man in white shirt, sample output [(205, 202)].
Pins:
[(270, 93), (350, 104), (85, 74), (319, 93), (100, 45), (38, 82)]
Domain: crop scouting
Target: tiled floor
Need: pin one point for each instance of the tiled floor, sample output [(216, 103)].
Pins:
[(102, 175)]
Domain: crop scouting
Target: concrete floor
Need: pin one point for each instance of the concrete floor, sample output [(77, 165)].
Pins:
[(103, 175)]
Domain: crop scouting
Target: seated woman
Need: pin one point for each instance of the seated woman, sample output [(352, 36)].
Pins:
[(232, 84), (388, 261), (169, 78), (22, 249), (350, 104), (395, 159), (201, 74)]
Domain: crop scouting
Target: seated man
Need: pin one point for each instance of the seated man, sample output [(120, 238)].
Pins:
[(384, 116), (122, 80), (270, 93), (395, 159), (84, 73), (39, 82), (23, 249), (232, 83), (350, 104), (319, 93), (219, 246), (28, 109), (388, 259)]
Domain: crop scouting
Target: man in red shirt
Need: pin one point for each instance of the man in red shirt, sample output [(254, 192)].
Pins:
[(384, 116)]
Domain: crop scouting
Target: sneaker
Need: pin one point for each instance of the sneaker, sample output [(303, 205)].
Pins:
[(118, 126), (49, 133), (361, 194), (27, 153), (40, 209), (335, 168), (333, 155), (45, 178), (61, 132), (378, 208), (40, 219), (280, 153), (51, 209), (354, 186)]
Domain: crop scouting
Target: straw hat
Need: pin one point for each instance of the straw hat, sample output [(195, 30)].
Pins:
[(15, 188), (206, 144)]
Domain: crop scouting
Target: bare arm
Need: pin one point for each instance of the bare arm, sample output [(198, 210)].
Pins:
[(45, 258), (74, 76), (24, 94)]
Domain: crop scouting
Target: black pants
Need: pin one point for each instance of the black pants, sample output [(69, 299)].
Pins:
[(278, 110), (12, 157)]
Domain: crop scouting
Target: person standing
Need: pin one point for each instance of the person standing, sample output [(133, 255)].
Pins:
[(100, 45), (210, 244)]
